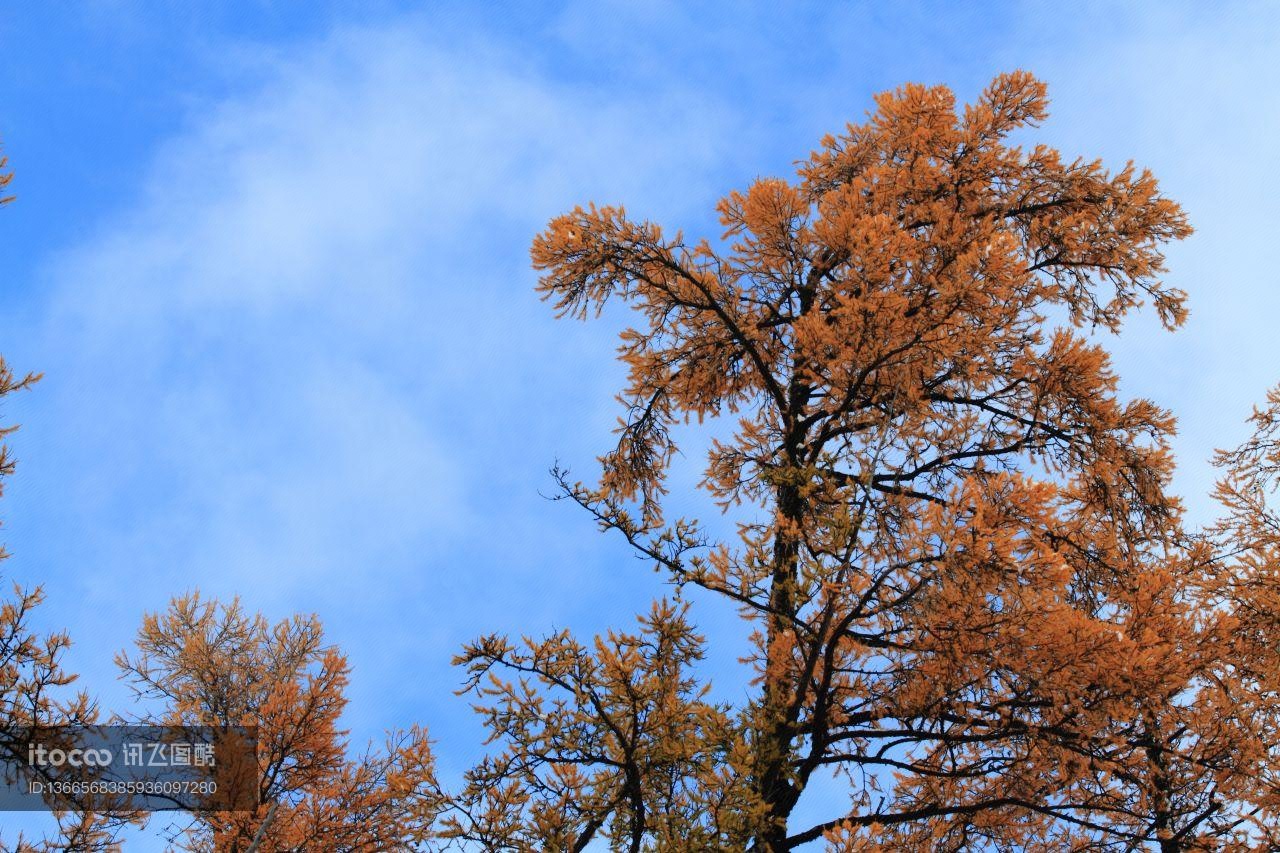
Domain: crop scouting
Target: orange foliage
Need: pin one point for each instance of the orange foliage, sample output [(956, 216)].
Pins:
[(5, 178), (213, 664), (973, 599), (31, 674)]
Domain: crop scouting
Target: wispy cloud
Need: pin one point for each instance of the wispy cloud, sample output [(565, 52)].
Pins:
[(307, 365)]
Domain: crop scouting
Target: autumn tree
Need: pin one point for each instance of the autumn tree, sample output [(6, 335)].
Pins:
[(610, 740), (214, 664), (973, 599), (34, 687)]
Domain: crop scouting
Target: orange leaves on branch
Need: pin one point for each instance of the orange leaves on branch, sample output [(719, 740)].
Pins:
[(207, 663), (971, 594), (5, 179), (915, 260), (33, 683), (613, 740)]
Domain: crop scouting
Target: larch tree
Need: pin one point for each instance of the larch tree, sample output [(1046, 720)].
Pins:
[(34, 686), (213, 664), (973, 599), (35, 689)]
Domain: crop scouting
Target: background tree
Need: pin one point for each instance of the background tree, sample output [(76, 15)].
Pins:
[(973, 599), (610, 740), (33, 683), (209, 663)]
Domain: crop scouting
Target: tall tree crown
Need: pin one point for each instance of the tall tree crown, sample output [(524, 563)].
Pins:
[(887, 309), (973, 597)]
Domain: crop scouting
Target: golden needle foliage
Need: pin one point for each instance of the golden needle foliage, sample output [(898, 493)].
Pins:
[(32, 679), (973, 600), (209, 663)]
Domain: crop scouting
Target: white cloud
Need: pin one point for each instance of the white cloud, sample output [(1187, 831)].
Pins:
[(306, 363)]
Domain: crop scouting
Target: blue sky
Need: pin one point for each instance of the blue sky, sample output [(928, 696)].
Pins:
[(273, 260)]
